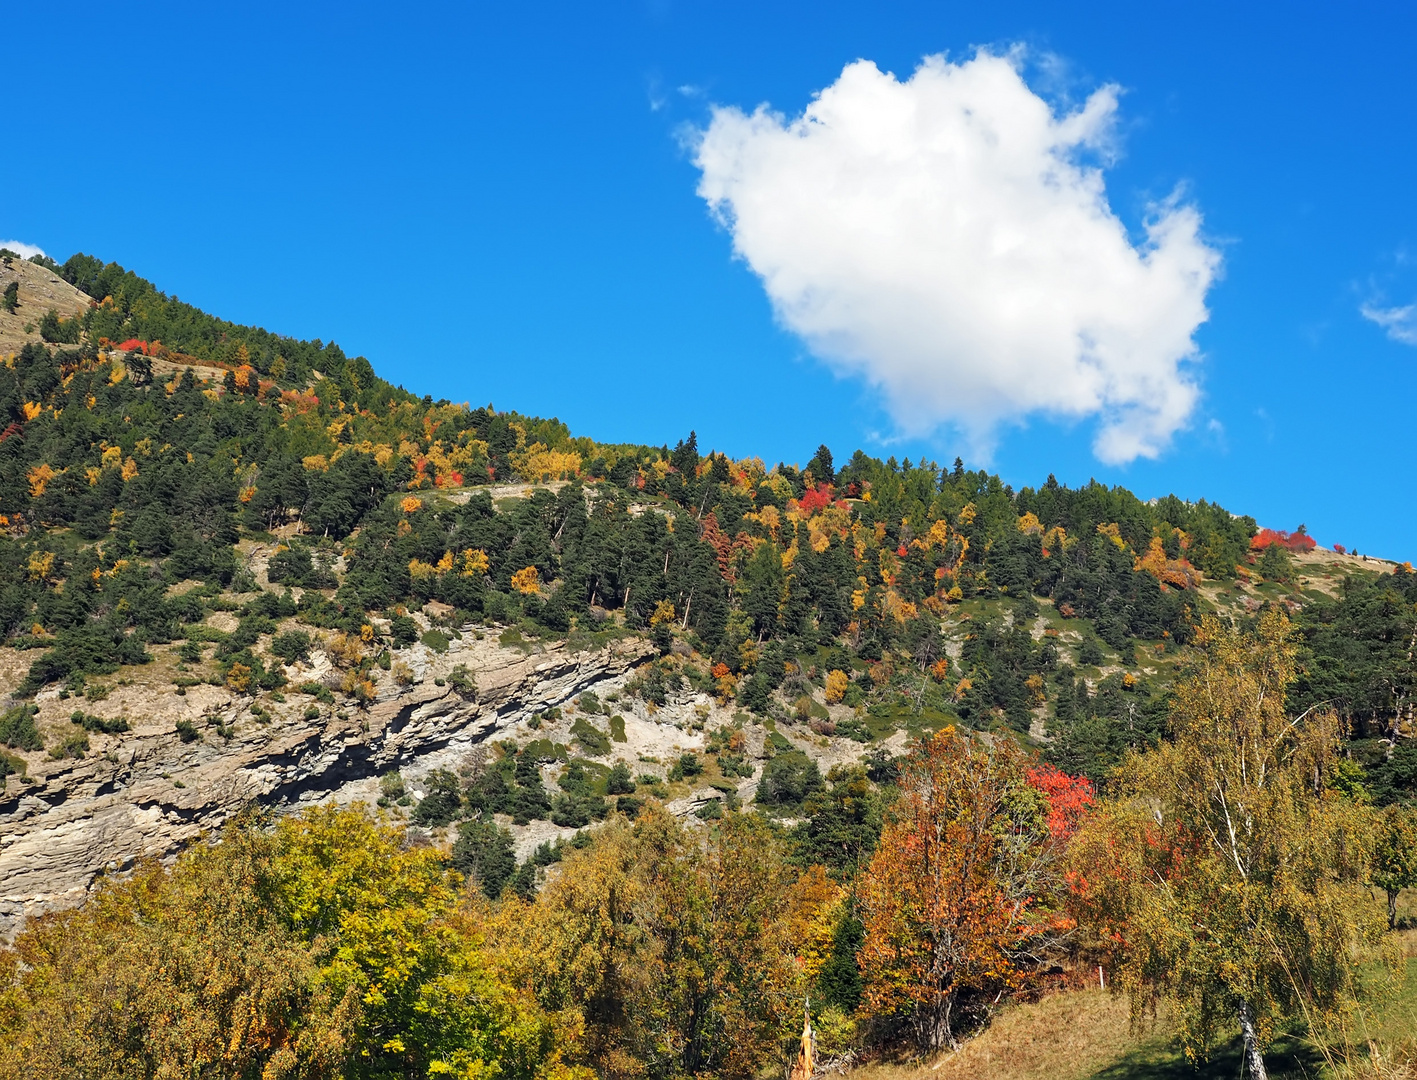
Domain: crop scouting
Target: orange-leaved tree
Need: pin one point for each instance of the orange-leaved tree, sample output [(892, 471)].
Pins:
[(959, 901)]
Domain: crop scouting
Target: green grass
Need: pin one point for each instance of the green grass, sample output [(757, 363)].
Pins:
[(590, 738), (1161, 1058)]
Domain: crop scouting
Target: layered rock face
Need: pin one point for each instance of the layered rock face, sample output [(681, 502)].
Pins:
[(147, 793)]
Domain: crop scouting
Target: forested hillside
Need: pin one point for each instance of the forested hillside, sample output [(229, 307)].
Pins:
[(189, 502)]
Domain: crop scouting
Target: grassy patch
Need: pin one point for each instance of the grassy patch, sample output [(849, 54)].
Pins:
[(1064, 1037), (512, 638), (590, 738), (590, 640), (1088, 1035)]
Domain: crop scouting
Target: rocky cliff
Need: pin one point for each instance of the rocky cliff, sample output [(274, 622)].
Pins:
[(146, 792)]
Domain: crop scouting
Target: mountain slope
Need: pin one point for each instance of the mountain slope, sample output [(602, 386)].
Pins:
[(239, 566)]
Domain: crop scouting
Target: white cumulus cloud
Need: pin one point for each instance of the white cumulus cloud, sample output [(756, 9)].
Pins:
[(941, 237), (22, 249), (1399, 322)]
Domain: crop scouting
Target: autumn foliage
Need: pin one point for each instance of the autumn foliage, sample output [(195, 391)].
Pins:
[(1068, 798), (959, 901), (1298, 540), (1229, 875)]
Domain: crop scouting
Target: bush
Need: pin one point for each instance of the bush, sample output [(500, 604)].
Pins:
[(403, 630), (461, 680), (435, 640), (10, 765), (187, 732), (788, 779), (392, 790), (292, 646), (619, 781), (58, 331), (17, 728), (483, 852), (442, 802), (73, 746), (98, 723), (617, 728), (294, 566), (688, 766), (735, 765)]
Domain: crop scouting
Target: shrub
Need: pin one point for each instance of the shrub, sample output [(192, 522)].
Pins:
[(58, 331), (619, 782), (442, 802), (391, 787), (688, 765), (1298, 540), (17, 728), (788, 779), (294, 566), (292, 646), (99, 724), (10, 765), (187, 731), (461, 680), (483, 852), (435, 640), (73, 746), (403, 630)]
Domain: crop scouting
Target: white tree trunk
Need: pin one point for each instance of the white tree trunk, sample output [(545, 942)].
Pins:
[(1253, 1064)]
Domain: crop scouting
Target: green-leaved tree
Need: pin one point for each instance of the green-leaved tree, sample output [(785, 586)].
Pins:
[(1395, 856)]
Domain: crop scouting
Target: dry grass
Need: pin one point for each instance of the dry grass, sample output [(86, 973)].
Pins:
[(1063, 1037), (1087, 1035), (40, 290)]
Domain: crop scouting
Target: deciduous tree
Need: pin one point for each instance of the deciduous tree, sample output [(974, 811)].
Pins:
[(958, 901), (1395, 855), (1228, 874)]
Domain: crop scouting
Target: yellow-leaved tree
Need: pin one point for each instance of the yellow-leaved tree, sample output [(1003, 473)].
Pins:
[(319, 948), (1229, 872), (190, 972), (664, 949)]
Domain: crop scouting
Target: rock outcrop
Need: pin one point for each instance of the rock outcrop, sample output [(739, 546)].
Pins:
[(147, 793)]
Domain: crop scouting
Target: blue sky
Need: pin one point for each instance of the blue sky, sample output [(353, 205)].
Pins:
[(501, 204)]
